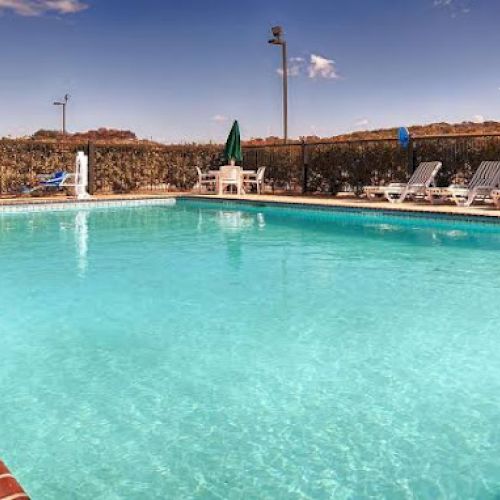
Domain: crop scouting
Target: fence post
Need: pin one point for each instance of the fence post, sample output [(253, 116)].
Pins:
[(91, 155), (305, 169)]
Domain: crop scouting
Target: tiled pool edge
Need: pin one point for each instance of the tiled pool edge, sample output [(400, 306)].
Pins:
[(401, 211), (358, 210), (9, 486), (63, 205)]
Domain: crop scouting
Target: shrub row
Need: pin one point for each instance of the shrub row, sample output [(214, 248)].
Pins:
[(327, 168)]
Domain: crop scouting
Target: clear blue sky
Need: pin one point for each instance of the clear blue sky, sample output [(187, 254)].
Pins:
[(179, 71)]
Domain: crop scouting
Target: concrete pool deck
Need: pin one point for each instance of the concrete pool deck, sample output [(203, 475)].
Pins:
[(359, 203), (487, 211)]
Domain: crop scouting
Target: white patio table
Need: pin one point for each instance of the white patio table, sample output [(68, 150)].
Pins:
[(243, 174)]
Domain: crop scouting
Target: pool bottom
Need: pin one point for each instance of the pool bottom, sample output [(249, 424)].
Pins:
[(189, 351)]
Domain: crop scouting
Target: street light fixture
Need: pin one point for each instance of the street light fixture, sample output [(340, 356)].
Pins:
[(279, 39), (63, 104)]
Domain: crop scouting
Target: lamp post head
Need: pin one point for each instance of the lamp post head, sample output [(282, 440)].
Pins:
[(63, 102), (278, 33)]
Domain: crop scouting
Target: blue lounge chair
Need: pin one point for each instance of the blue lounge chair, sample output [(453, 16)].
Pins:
[(57, 180)]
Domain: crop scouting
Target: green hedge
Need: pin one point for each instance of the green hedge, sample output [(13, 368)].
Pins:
[(331, 167)]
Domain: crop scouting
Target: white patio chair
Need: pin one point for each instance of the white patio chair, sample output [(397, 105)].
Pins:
[(206, 180), (256, 179), (230, 175)]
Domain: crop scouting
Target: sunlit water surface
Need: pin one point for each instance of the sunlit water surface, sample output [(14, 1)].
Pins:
[(206, 352)]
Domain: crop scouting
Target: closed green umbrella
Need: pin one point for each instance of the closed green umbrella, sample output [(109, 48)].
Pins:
[(232, 151)]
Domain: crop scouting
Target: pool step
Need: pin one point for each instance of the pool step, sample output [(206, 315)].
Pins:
[(10, 489)]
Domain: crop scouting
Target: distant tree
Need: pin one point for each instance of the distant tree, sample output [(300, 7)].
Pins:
[(109, 135), (47, 134), (106, 134), (101, 134)]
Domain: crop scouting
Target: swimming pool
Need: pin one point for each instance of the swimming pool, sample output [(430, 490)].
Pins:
[(209, 351)]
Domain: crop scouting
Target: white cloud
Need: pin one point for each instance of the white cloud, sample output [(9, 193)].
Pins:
[(478, 119), (40, 7), (455, 7), (295, 66), (220, 119), (315, 67), (362, 123), (320, 67)]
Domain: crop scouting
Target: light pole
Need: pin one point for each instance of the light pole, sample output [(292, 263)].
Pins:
[(63, 104), (279, 39)]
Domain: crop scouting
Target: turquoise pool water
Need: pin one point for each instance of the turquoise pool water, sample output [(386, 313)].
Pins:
[(201, 351)]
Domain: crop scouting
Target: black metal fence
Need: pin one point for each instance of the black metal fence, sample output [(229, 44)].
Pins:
[(348, 166), (326, 168)]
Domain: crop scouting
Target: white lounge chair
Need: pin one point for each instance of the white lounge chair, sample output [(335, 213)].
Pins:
[(495, 196), (480, 187), (256, 179), (378, 192), (230, 175), (206, 180), (423, 177)]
